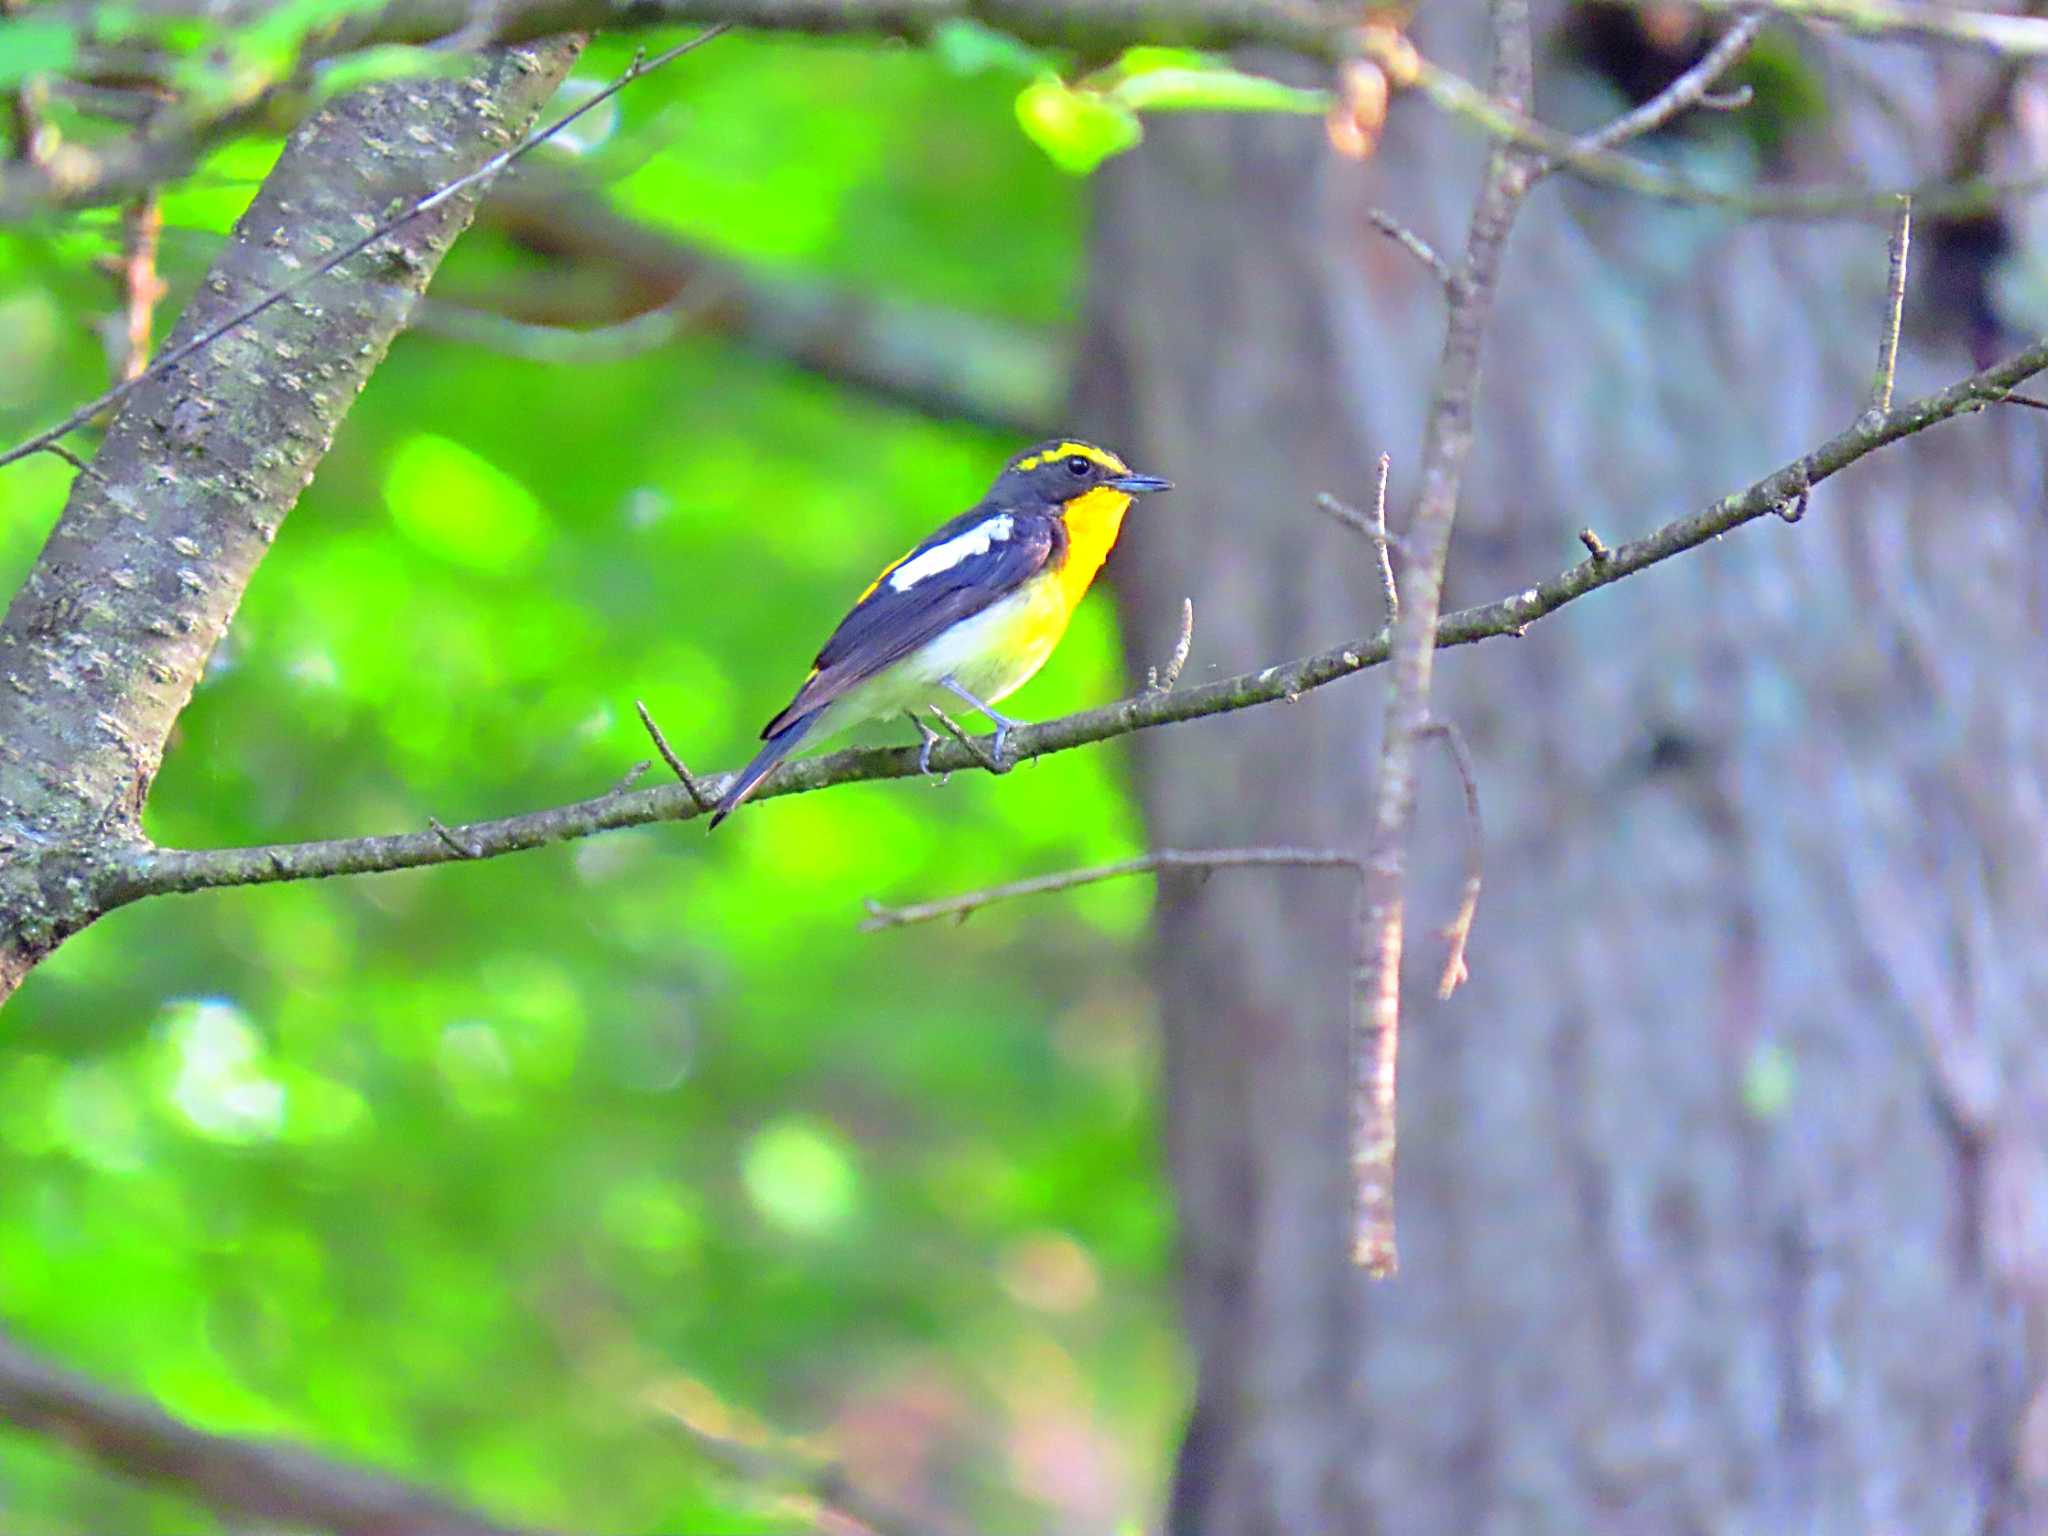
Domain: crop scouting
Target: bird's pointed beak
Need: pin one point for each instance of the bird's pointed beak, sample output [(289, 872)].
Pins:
[(1140, 485)]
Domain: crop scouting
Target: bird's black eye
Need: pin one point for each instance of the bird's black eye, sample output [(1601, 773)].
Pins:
[(1077, 466)]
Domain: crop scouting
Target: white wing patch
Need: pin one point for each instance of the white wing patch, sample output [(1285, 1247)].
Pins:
[(977, 540)]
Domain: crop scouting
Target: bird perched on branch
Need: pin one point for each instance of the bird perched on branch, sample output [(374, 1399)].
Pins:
[(969, 614)]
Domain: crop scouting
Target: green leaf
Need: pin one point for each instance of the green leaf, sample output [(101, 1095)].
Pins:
[(1077, 129), (31, 47), (1175, 88)]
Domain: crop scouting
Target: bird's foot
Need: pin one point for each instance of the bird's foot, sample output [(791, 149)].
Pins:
[(927, 738)]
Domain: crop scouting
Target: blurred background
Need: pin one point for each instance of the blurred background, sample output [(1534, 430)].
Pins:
[(611, 1187)]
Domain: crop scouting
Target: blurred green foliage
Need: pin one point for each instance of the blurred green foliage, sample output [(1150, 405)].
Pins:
[(466, 1172)]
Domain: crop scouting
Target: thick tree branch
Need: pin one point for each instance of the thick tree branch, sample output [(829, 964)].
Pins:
[(947, 363), (103, 644), (1089, 28), (253, 1478), (155, 871)]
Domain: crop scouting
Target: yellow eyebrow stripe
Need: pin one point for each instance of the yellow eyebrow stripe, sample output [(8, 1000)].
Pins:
[(1089, 451)]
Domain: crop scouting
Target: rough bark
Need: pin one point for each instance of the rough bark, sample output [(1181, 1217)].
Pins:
[(1724, 1182), (103, 644)]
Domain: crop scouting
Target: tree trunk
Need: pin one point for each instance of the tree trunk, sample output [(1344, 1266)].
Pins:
[(102, 646), (1724, 1184)]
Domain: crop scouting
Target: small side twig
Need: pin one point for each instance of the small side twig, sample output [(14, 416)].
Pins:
[(1594, 547), (1373, 528), (1415, 246), (2039, 405), (58, 450), (1894, 312), (1205, 860), (633, 775), (1157, 681), (668, 755), (466, 850), (1380, 547), (1459, 930)]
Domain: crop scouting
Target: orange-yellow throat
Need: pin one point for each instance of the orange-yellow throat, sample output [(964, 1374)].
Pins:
[(1093, 520)]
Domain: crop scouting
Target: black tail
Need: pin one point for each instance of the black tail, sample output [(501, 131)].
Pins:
[(778, 746)]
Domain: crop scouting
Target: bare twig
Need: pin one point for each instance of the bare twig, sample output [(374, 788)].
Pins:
[(1460, 98), (1157, 681), (267, 1483), (1594, 547), (1388, 589), (633, 775), (1459, 930), (1690, 89), (675, 763), (1160, 861), (1894, 312), (2001, 32), (2039, 405), (434, 199), (1415, 246), (157, 871), (1446, 447), (467, 848), (1373, 529), (58, 450)]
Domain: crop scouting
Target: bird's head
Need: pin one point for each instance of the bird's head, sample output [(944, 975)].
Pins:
[(1053, 474)]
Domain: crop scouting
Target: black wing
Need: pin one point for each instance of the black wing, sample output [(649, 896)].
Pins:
[(999, 552)]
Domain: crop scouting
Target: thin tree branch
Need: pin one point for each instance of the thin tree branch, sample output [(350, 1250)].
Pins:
[(1446, 448), (259, 1480), (1374, 530), (1162, 860), (1414, 245), (158, 871), (383, 230), (1453, 94), (1689, 90), (2000, 32), (1894, 311)]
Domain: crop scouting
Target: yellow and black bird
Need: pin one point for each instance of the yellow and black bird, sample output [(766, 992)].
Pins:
[(969, 614)]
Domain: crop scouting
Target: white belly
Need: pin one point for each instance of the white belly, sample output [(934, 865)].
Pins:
[(991, 655)]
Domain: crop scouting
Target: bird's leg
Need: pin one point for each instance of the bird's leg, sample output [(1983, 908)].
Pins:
[(927, 738), (1003, 723)]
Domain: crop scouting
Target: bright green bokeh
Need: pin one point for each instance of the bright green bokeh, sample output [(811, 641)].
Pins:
[(462, 1172)]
